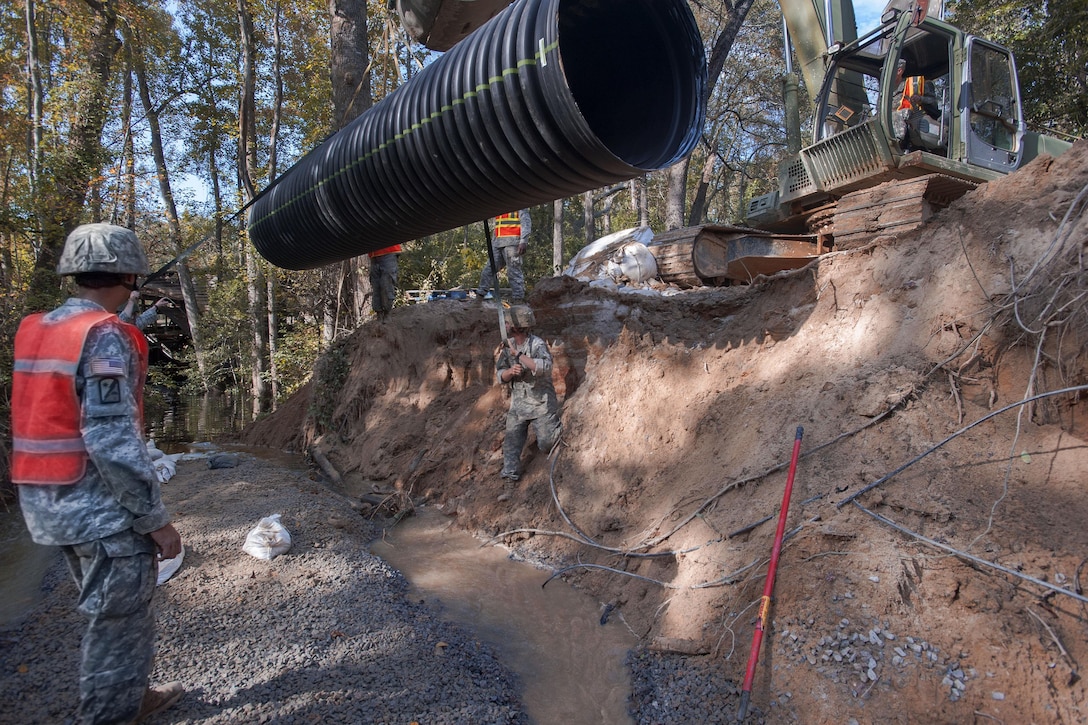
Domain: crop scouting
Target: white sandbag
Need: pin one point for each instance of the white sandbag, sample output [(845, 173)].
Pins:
[(268, 539), (153, 450), (591, 261), (169, 567), (165, 468)]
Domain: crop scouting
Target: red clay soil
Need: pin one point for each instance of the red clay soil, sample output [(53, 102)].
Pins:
[(679, 415)]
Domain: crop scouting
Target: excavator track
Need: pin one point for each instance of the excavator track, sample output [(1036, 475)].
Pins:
[(894, 207), (713, 255)]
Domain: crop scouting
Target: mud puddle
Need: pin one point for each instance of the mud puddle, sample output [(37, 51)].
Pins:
[(570, 665)]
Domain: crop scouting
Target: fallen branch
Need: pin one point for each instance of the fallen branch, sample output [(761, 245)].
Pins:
[(970, 557), (1074, 675), (732, 577), (326, 466), (565, 569), (956, 397), (961, 431), (749, 527)]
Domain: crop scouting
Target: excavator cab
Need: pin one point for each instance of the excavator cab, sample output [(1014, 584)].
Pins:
[(972, 114), (912, 98)]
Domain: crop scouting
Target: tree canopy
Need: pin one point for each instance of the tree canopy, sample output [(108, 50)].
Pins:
[(167, 117)]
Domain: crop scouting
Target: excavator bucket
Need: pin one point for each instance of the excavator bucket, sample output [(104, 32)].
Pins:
[(742, 256), (441, 24), (712, 254)]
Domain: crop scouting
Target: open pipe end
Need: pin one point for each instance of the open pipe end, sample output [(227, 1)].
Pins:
[(637, 71)]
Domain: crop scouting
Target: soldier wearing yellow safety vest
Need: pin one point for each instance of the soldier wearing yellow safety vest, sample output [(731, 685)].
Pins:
[(511, 237)]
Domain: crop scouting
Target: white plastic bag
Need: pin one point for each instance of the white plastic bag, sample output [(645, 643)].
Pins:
[(169, 567), (268, 539)]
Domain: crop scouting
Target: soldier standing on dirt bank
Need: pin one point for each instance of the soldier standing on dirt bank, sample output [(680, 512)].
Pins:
[(85, 479), (383, 279), (526, 366), (511, 238)]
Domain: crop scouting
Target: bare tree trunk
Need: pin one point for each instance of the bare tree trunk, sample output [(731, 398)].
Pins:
[(124, 212), (587, 217), (217, 200), (35, 151), (273, 160), (643, 203), (277, 100), (557, 237), (608, 197), (350, 60), (188, 289), (351, 95), (698, 203), (247, 171), (675, 195), (733, 16), (273, 344), (80, 160)]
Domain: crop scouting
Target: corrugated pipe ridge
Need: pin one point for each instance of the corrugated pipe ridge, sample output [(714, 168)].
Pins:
[(548, 99)]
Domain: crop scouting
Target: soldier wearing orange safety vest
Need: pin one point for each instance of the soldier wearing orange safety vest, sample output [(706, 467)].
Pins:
[(81, 466), (511, 237), (383, 279), (914, 106)]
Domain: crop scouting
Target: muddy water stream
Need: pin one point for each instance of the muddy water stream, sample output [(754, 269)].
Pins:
[(571, 667)]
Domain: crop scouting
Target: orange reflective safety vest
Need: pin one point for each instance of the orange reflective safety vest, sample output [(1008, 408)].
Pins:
[(913, 86), (395, 249), (47, 447), (508, 225)]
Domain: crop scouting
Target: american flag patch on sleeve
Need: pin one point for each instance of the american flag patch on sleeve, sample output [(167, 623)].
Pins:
[(108, 367)]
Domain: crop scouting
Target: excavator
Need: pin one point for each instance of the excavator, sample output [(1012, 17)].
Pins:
[(875, 164)]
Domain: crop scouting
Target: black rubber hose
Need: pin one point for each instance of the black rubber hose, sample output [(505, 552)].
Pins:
[(549, 99)]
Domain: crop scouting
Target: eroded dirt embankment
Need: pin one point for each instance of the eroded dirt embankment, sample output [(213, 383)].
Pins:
[(679, 415)]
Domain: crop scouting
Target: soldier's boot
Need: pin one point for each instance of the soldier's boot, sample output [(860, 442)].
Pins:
[(158, 699)]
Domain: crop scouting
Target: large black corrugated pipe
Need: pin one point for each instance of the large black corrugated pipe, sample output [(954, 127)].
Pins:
[(549, 99)]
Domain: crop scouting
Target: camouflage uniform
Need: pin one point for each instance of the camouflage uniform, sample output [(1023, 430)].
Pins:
[(102, 524), (142, 320), (508, 254), (532, 400), (383, 281)]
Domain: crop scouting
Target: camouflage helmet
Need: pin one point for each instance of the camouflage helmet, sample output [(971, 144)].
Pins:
[(521, 316), (102, 248)]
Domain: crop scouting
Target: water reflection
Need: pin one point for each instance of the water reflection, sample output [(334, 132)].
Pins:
[(205, 417)]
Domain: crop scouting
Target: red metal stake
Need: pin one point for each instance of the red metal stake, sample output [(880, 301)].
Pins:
[(768, 587)]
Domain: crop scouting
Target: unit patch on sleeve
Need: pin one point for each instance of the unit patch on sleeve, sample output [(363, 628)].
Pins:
[(109, 390)]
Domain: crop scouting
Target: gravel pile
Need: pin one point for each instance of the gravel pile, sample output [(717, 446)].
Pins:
[(321, 634)]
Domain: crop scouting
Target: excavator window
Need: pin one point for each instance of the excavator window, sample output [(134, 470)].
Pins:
[(993, 117), (851, 94)]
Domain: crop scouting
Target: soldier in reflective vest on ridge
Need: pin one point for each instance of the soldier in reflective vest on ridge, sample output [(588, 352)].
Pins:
[(511, 238)]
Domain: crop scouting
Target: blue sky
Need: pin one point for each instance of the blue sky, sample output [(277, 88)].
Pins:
[(867, 13)]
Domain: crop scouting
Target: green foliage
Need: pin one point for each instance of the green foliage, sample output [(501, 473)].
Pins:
[(330, 375), (298, 348), (1049, 42), (226, 336)]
